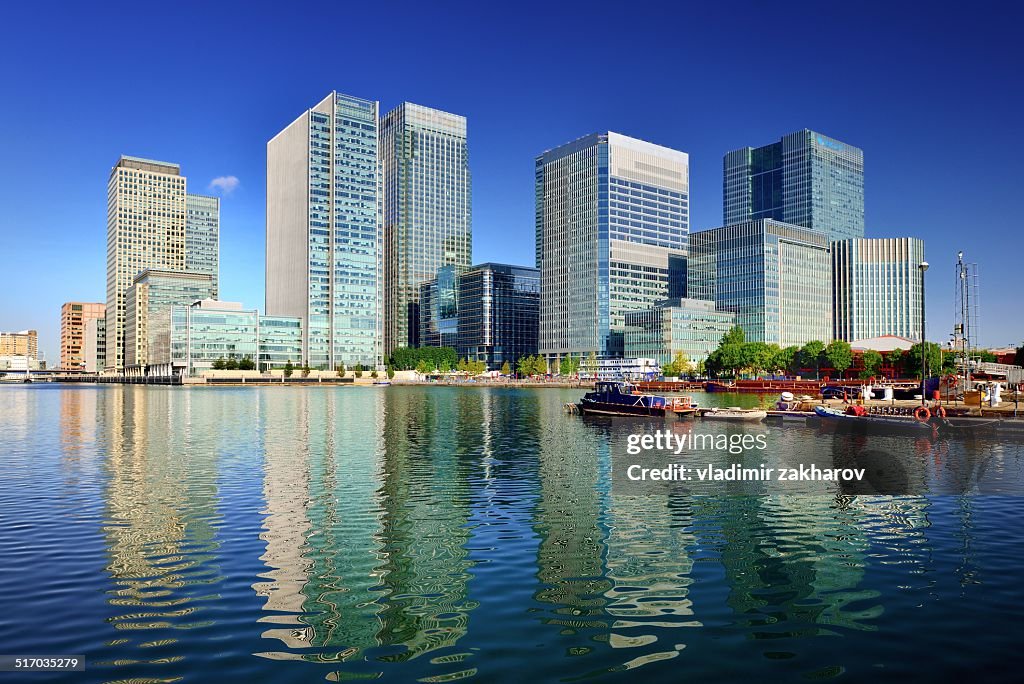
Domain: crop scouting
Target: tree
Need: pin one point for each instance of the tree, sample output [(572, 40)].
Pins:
[(232, 364), (839, 355), (810, 355), (569, 365), (894, 359), (219, 364), (985, 356), (359, 370), (444, 365), (1018, 357), (872, 362), (340, 370), (786, 359), (932, 354), (373, 374), (424, 367), (679, 366), (288, 369), (306, 369), (506, 369), (391, 372), (734, 336)]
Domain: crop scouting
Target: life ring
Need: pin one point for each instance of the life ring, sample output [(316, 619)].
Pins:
[(922, 414), (940, 412), (952, 380)]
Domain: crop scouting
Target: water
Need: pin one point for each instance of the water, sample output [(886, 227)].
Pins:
[(295, 534)]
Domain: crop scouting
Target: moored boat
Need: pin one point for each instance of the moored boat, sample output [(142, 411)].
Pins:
[(734, 413), (619, 399), (856, 419)]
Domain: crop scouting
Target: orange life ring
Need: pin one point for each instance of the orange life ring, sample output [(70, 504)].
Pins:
[(922, 414), (940, 412), (952, 380)]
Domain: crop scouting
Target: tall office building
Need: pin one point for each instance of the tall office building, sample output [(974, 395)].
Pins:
[(145, 229), (427, 209), (877, 288), (775, 277), (807, 179), (73, 318), (202, 236), (439, 309), (324, 232), (612, 222)]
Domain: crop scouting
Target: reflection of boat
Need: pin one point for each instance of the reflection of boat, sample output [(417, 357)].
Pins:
[(618, 399), (857, 421), (734, 413)]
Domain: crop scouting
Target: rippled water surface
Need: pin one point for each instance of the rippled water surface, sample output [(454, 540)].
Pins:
[(295, 534)]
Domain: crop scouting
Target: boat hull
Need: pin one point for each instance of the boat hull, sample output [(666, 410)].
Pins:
[(600, 408), (885, 425)]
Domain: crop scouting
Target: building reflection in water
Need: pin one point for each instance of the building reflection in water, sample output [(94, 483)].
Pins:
[(161, 512)]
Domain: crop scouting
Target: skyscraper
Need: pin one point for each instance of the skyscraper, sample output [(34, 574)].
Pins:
[(612, 222), (73, 319), (499, 313), (806, 179), (202, 236), (426, 207), (324, 232), (775, 277), (877, 288), (145, 229)]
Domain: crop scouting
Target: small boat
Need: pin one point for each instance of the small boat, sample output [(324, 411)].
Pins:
[(734, 413), (382, 382), (620, 399), (856, 419)]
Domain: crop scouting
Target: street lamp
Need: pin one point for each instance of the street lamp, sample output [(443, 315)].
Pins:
[(923, 266)]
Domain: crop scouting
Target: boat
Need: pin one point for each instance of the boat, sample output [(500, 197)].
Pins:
[(620, 399), (857, 419), (734, 413)]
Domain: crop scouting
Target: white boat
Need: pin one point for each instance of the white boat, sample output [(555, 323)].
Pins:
[(734, 413)]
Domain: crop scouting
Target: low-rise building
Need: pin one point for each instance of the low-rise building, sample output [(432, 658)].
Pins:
[(73, 318), (24, 343), (154, 292), (691, 326)]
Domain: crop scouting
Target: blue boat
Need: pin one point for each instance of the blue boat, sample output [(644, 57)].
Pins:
[(620, 399)]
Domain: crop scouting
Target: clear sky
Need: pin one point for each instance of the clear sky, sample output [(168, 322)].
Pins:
[(932, 93)]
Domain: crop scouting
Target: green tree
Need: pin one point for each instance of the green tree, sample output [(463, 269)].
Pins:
[(424, 367), (373, 374), (785, 359), (232, 364), (340, 370), (734, 336), (872, 362), (306, 369), (894, 359), (359, 370), (569, 366), (391, 372), (757, 357), (679, 366), (506, 369), (933, 355), (985, 356), (288, 369), (810, 355), (444, 365), (219, 364), (839, 355)]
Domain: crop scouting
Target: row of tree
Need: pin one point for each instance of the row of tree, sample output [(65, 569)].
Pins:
[(409, 358), (735, 356), (233, 363)]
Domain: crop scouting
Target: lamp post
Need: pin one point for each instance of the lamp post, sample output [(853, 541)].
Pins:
[(923, 266)]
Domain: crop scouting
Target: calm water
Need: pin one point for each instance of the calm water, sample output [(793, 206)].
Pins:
[(295, 534)]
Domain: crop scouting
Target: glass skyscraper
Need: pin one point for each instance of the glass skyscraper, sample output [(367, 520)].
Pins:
[(691, 326), (807, 179), (877, 288), (426, 209), (324, 256), (202, 236), (439, 309), (775, 277), (612, 220)]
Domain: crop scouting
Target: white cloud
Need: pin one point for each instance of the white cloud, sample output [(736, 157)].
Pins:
[(225, 184)]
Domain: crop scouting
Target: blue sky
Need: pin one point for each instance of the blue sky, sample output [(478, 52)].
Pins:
[(933, 96)]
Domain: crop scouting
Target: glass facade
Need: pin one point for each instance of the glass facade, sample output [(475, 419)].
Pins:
[(775, 277), (499, 313), (324, 232), (806, 179), (439, 309), (691, 326), (426, 209), (152, 293), (877, 288), (612, 224), (194, 337), (202, 236)]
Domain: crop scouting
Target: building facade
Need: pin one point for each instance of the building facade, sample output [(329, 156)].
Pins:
[(612, 223), (324, 256), (426, 209), (145, 229), (94, 345), (24, 343), (691, 326), (877, 288), (192, 338), (498, 314), (439, 309), (73, 318), (806, 179), (152, 293), (202, 236), (775, 277)]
